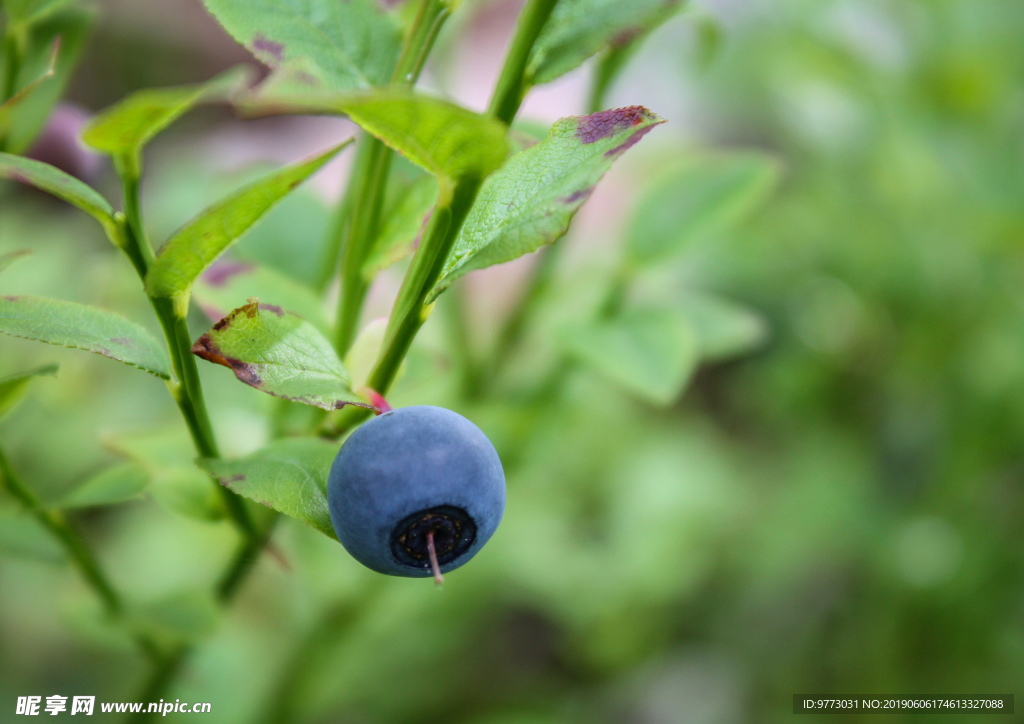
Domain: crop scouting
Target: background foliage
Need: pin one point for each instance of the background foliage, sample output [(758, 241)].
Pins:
[(823, 242)]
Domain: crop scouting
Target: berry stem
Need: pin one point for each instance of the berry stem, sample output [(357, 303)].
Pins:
[(434, 565)]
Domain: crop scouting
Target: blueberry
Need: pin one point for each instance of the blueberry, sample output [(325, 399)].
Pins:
[(412, 478)]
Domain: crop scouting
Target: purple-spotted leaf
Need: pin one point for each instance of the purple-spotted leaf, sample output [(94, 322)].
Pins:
[(196, 246), (62, 185), (79, 326), (127, 126), (577, 29), (530, 201), (280, 354), (346, 45), (13, 387), (228, 284), (289, 476), (650, 352)]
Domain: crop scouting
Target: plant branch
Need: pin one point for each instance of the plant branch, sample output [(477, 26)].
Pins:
[(409, 313), (187, 391), (512, 83), (358, 218), (57, 524)]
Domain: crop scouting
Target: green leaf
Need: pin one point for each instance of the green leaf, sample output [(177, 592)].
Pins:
[(289, 476), (195, 247), (123, 129), (651, 352), (79, 326), (8, 107), (13, 387), (228, 285), (403, 226), (181, 617), (725, 330), (64, 186), (26, 12), (364, 352), (704, 196), (280, 354), (577, 29), (176, 484), (22, 536), (530, 201), (350, 45), (117, 484), (445, 139), (28, 117), (9, 258)]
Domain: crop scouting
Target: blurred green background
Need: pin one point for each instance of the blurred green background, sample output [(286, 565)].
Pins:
[(837, 511)]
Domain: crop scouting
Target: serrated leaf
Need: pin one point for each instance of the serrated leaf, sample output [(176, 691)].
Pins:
[(30, 114), (127, 126), (116, 484), (13, 387), (651, 352), (530, 201), (64, 186), (351, 44), (577, 29), (280, 354), (403, 226), (289, 476), (703, 196), (724, 328), (195, 247), (228, 284), (79, 326)]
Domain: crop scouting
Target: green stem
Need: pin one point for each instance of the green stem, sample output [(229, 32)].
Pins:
[(373, 167), (12, 53), (161, 677), (245, 558), (339, 619), (12, 64), (57, 524), (512, 83), (358, 218), (188, 390), (409, 312)]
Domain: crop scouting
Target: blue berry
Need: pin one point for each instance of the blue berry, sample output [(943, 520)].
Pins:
[(410, 478)]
